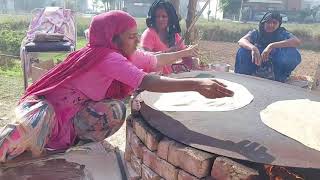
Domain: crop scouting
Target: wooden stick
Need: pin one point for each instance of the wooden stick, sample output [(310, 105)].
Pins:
[(193, 22)]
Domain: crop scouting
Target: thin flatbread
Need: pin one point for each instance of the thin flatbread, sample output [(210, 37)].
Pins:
[(193, 101), (298, 119)]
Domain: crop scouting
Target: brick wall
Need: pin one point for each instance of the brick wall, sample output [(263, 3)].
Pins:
[(150, 155)]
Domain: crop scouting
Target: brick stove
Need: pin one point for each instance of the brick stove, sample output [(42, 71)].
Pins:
[(193, 145), (151, 155)]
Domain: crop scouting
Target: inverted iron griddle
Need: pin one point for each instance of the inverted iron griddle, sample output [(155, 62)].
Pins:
[(240, 133)]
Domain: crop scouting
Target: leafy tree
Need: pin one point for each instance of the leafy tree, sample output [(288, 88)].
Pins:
[(303, 14), (95, 5), (105, 4), (70, 4), (314, 12), (112, 4), (232, 7), (192, 8)]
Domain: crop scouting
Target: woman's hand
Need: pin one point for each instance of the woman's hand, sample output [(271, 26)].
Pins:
[(256, 57), (172, 49), (169, 58), (266, 52), (211, 88), (192, 51)]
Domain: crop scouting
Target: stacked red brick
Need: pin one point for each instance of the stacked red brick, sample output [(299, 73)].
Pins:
[(151, 156)]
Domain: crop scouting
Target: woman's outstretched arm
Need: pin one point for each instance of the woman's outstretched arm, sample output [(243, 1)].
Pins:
[(292, 42), (207, 87), (171, 57)]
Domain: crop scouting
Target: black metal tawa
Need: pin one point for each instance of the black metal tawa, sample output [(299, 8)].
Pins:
[(240, 133)]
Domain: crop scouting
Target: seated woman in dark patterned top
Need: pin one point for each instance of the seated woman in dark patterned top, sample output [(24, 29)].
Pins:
[(272, 44)]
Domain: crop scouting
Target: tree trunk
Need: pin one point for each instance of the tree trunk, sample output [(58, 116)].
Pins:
[(240, 12), (15, 5), (125, 3), (24, 7), (6, 6), (113, 5), (176, 4), (192, 8)]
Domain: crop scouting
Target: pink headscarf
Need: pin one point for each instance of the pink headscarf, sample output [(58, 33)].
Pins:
[(102, 29)]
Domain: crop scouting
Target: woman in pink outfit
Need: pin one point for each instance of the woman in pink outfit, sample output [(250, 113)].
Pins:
[(162, 34), (81, 98)]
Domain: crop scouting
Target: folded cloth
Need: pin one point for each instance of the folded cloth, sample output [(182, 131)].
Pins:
[(45, 37)]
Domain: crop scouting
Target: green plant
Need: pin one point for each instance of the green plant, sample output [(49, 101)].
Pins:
[(10, 41), (10, 67), (82, 24)]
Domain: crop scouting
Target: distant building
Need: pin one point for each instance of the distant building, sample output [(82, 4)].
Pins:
[(79, 5), (264, 5), (293, 5), (138, 8), (28, 5), (281, 5), (308, 4), (6, 6)]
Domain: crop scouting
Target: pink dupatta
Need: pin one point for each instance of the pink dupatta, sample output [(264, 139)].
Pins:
[(102, 29)]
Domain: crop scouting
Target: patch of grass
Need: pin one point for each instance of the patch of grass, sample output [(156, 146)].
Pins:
[(10, 18), (10, 73), (141, 25), (10, 67), (82, 42), (11, 89)]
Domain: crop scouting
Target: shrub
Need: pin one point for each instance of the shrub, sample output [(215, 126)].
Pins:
[(82, 24), (10, 41), (12, 31)]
